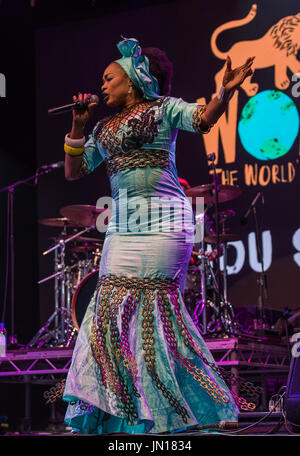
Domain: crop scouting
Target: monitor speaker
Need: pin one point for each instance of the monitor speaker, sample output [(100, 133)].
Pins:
[(292, 396)]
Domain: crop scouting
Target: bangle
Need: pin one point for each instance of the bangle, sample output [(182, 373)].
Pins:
[(74, 142), (73, 151), (223, 95)]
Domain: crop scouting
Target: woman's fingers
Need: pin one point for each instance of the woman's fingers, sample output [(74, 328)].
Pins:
[(248, 63), (246, 68), (82, 97), (243, 71), (249, 60), (84, 110), (86, 97), (228, 63)]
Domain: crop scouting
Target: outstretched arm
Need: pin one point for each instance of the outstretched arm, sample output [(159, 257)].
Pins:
[(232, 79)]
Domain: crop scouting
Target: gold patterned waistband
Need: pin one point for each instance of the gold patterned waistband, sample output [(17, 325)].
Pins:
[(137, 158), (153, 283)]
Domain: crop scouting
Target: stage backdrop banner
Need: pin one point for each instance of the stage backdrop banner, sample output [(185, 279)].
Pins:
[(256, 143)]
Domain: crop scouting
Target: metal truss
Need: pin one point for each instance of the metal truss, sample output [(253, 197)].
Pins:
[(248, 355), (35, 362), (259, 360), (245, 355)]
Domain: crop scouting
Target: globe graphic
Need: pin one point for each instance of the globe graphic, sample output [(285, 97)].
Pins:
[(268, 125)]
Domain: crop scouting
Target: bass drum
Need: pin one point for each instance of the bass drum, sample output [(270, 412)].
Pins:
[(83, 296)]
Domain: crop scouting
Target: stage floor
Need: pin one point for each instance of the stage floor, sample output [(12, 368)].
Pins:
[(272, 426)]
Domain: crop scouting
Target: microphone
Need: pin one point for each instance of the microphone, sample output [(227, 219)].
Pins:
[(48, 169), (244, 219), (56, 165), (78, 105)]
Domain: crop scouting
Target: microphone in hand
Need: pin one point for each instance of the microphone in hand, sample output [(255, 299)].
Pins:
[(77, 105)]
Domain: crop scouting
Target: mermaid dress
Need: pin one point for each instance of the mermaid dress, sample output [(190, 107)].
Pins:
[(139, 363)]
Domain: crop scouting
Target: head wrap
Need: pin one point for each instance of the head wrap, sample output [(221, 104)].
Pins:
[(136, 66)]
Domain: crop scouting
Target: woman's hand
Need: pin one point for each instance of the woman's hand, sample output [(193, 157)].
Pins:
[(231, 80), (235, 77), (82, 114)]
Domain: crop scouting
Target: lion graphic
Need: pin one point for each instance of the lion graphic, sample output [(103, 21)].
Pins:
[(278, 48)]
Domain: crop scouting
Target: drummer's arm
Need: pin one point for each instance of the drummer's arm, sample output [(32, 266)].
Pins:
[(73, 163)]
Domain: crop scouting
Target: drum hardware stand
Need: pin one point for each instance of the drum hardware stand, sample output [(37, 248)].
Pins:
[(224, 314), (211, 158), (203, 300), (203, 288), (63, 331), (202, 303), (45, 169), (260, 324), (46, 335)]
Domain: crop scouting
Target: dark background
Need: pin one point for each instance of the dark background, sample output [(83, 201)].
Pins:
[(53, 49)]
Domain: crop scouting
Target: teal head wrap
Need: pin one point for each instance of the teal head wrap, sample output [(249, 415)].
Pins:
[(136, 66)]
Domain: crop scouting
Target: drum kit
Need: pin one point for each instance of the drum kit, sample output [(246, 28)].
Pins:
[(76, 258)]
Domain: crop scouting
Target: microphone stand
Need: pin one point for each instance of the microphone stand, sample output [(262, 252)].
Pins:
[(262, 280), (12, 341)]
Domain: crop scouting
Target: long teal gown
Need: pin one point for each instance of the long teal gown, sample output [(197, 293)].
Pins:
[(139, 364)]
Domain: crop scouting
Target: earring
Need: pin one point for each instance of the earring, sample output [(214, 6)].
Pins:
[(130, 90)]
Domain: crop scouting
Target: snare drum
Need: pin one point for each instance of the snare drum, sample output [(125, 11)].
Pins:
[(83, 296)]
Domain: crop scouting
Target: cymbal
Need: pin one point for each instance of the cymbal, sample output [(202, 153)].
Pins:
[(222, 238), (207, 191), (224, 215), (82, 214), (85, 247), (61, 222)]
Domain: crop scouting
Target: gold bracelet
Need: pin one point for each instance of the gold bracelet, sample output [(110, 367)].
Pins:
[(73, 151)]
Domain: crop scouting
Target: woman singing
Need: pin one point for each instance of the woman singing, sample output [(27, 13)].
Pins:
[(139, 364)]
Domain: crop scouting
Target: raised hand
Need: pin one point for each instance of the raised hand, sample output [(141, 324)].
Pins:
[(235, 77)]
